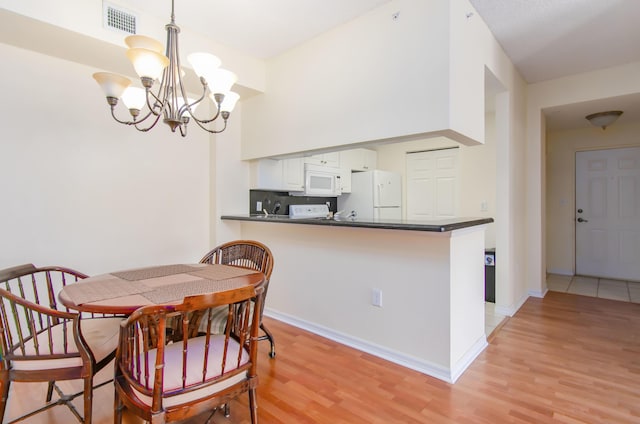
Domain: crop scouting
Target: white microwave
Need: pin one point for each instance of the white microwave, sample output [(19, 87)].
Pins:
[(320, 181)]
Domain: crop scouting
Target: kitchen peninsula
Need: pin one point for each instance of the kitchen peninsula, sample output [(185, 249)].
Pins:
[(441, 225), (407, 291)]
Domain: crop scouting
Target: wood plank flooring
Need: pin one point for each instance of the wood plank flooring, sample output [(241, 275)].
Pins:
[(561, 359)]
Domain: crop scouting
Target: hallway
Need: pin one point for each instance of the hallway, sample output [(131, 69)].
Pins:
[(626, 291)]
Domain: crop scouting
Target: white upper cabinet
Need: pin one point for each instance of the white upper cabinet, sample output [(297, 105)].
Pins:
[(325, 159), (345, 180), (293, 174), (266, 174), (280, 175), (359, 159)]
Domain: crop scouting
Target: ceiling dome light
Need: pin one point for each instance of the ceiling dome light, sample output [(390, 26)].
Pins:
[(603, 119)]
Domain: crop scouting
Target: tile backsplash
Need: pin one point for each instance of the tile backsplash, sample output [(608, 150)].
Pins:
[(277, 202)]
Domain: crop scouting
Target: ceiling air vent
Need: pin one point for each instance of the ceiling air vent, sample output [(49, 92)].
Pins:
[(118, 19)]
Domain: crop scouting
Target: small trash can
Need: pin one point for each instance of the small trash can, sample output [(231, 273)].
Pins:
[(490, 275)]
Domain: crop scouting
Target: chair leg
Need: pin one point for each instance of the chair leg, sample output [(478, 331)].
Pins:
[(272, 353), (158, 418), (5, 383), (117, 408), (50, 390), (227, 410), (88, 399), (253, 406)]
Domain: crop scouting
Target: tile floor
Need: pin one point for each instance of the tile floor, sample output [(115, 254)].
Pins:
[(491, 318), (626, 291)]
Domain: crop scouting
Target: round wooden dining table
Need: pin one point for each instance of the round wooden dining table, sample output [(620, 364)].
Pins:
[(122, 292)]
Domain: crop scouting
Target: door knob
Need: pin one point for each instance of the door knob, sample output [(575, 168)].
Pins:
[(582, 220)]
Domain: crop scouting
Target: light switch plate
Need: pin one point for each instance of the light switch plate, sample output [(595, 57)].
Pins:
[(376, 297)]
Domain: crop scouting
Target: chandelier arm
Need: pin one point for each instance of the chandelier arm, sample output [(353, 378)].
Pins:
[(218, 104), (207, 121), (150, 113), (135, 122), (200, 124), (113, 115), (150, 126), (157, 107), (187, 106)]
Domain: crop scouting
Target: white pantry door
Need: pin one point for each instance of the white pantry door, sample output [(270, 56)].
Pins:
[(608, 213), (432, 184)]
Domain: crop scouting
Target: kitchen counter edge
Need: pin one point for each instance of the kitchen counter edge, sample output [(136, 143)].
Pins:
[(439, 226)]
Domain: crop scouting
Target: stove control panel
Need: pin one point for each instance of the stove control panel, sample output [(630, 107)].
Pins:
[(308, 211)]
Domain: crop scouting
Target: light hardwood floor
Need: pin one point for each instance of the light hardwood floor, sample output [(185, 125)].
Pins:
[(561, 359)]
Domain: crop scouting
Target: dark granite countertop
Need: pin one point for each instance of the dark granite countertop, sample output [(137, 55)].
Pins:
[(441, 225)]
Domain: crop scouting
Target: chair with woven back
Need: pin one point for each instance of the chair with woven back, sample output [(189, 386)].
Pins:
[(162, 379), (42, 341), (248, 254)]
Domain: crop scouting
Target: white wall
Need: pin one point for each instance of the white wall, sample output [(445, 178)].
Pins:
[(79, 189), (511, 163), (372, 78), (431, 283), (560, 194), (229, 181), (478, 165), (467, 59)]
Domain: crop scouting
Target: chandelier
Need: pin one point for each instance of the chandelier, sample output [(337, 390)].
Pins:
[(170, 101)]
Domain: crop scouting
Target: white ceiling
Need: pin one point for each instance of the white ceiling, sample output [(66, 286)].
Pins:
[(545, 39), (548, 39)]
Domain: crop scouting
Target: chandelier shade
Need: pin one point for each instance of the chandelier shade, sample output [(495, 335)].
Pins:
[(221, 80), (143, 42), (148, 63), (169, 101), (134, 98), (113, 85), (229, 102), (203, 63)]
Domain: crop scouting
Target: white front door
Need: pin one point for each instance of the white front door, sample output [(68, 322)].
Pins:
[(432, 184), (608, 213)]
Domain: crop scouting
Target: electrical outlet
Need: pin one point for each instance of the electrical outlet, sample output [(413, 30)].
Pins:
[(259, 206), (484, 206), (376, 297)]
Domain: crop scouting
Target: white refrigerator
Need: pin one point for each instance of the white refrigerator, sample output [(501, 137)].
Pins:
[(375, 195)]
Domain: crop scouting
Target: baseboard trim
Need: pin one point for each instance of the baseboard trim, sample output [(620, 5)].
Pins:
[(460, 367), (425, 367), (511, 310), (564, 272)]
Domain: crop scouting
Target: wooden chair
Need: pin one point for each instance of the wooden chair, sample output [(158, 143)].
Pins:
[(43, 341), (251, 255), (161, 379)]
